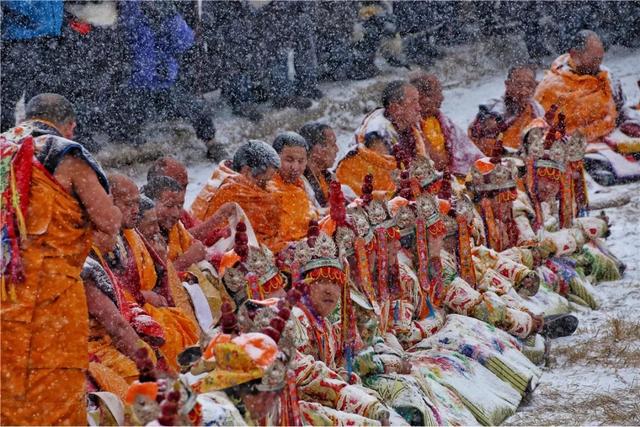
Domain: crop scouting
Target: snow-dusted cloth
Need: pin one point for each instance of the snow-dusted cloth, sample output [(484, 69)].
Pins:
[(377, 123)]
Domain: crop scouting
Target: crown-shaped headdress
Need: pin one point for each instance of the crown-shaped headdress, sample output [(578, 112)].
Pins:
[(549, 147), (243, 260), (423, 171), (493, 175)]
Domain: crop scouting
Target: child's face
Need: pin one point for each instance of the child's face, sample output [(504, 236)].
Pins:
[(324, 295)]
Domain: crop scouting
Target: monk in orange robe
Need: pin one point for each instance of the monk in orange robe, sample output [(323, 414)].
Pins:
[(323, 149), (200, 205), (500, 122), (208, 232), (112, 340), (386, 134), (446, 143), (582, 89), (134, 265), (255, 164), (295, 203), (63, 197), (183, 249)]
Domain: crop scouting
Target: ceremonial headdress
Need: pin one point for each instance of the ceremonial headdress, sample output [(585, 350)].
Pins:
[(552, 155), (258, 353), (423, 171), (166, 400), (494, 177), (248, 270)]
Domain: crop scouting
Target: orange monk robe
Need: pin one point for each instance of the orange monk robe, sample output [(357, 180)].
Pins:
[(587, 101), (108, 380), (45, 330), (260, 205), (436, 144), (297, 209), (179, 241), (102, 347), (362, 161), (180, 332), (201, 202), (512, 136)]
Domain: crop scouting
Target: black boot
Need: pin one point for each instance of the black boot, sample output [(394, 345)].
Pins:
[(559, 325)]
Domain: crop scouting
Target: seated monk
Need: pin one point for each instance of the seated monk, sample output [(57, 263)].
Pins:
[(583, 89), (182, 249), (323, 149), (296, 207), (447, 144), (626, 140), (150, 230), (254, 165), (113, 341), (371, 157), (396, 122), (500, 122), (143, 275), (200, 204), (208, 232)]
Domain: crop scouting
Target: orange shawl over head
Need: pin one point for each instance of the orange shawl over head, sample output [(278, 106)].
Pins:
[(586, 100), (261, 206), (297, 209)]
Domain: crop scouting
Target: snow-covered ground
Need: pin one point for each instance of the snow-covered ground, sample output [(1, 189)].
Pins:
[(592, 377)]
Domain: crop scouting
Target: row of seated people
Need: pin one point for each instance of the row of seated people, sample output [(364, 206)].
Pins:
[(419, 284)]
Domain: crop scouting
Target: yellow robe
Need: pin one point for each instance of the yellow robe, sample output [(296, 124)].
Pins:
[(297, 209), (179, 241), (180, 332), (353, 168), (45, 331), (435, 142)]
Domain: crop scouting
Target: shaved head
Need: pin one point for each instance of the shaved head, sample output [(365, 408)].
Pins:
[(430, 91), (587, 52), (55, 109), (121, 184), (168, 166), (126, 197), (51, 107)]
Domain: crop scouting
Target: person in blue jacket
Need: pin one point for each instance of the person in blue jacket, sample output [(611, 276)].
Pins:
[(157, 36), (30, 31)]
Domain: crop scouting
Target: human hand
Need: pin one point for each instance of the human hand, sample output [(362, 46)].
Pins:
[(155, 299)]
